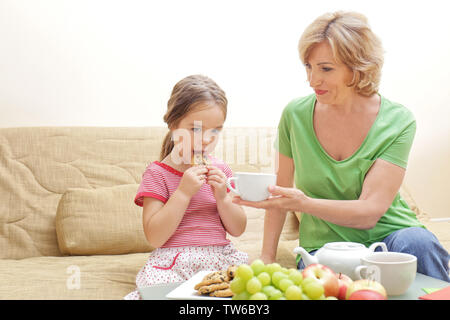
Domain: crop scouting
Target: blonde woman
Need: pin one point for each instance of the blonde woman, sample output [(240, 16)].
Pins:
[(346, 147)]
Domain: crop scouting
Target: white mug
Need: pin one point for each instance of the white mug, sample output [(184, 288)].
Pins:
[(396, 271), (252, 186)]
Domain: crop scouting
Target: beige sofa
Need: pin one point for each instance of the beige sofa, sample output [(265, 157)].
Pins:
[(68, 226)]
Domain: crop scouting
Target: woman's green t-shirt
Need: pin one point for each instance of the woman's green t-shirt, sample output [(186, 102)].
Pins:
[(320, 176)]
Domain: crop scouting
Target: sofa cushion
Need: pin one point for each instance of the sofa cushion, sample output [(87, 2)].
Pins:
[(71, 278), (100, 221), (38, 165)]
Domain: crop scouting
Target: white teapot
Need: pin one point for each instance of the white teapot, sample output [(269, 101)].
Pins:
[(341, 257)]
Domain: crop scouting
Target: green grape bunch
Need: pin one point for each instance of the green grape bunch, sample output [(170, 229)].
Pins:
[(259, 281)]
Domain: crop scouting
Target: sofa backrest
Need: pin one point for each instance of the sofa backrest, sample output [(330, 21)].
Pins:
[(38, 165)]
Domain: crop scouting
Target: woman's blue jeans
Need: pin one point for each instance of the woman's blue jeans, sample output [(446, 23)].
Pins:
[(432, 258)]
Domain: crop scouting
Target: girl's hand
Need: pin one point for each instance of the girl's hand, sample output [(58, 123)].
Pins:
[(192, 180), (289, 199), (217, 179)]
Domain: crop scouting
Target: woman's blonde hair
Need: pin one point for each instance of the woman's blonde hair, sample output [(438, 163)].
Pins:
[(186, 96), (353, 43)]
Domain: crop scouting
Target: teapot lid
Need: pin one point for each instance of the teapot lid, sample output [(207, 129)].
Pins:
[(344, 246)]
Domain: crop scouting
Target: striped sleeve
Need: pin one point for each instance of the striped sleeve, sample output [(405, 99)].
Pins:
[(229, 173), (227, 170), (153, 185)]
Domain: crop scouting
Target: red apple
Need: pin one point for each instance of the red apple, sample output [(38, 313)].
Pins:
[(344, 282), (366, 295), (325, 276), (366, 289)]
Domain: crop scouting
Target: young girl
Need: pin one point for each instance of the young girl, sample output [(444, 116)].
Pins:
[(187, 209)]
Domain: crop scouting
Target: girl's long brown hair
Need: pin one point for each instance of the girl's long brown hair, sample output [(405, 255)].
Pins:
[(185, 95)]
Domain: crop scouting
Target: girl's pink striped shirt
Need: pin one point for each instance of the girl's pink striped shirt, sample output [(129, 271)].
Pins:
[(201, 224)]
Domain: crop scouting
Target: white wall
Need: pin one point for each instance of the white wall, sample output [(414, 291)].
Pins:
[(113, 63)]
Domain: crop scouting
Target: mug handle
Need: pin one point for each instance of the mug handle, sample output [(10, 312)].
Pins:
[(358, 271), (229, 185), (372, 272), (383, 246)]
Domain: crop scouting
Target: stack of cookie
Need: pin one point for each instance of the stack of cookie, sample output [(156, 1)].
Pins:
[(217, 283)]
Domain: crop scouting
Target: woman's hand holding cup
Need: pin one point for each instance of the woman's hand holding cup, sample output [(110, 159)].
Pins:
[(259, 190), (289, 199)]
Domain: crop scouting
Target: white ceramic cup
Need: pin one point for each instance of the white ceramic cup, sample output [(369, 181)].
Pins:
[(252, 186), (396, 271)]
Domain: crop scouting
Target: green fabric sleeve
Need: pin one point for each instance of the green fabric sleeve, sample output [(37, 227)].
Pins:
[(398, 152), (283, 140)]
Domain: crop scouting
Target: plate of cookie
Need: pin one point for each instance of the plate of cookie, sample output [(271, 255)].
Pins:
[(206, 285)]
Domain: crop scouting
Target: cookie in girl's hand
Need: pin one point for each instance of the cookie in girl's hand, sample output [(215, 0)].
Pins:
[(199, 158)]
